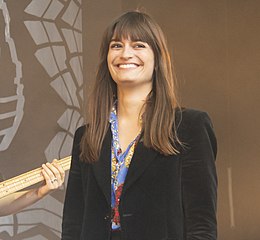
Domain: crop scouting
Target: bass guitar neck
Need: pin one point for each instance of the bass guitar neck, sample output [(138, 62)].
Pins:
[(28, 179)]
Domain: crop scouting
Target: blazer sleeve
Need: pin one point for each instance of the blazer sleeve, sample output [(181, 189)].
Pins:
[(199, 177), (74, 203)]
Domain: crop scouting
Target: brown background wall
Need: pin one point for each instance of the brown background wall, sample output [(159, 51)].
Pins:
[(216, 50)]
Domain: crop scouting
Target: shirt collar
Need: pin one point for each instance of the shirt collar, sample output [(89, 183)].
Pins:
[(113, 113)]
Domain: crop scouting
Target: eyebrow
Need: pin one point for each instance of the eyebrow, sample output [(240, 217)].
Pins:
[(119, 40)]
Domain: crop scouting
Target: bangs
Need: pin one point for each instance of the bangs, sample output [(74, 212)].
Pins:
[(133, 27)]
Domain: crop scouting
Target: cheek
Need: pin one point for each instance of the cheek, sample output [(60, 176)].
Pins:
[(111, 58), (151, 60), (109, 63), (151, 65), (108, 59), (110, 68)]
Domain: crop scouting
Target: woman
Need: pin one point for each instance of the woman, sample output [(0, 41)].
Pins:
[(15, 202), (142, 168)]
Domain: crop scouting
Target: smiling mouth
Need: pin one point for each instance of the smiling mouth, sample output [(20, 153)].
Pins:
[(127, 65)]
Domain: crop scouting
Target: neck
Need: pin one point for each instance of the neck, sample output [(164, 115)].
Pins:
[(131, 102)]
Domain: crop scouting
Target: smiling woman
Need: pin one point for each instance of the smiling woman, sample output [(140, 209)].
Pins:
[(131, 62), (142, 167)]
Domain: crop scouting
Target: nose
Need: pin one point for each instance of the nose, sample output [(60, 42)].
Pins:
[(127, 52)]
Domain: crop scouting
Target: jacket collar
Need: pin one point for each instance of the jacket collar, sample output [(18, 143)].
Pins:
[(102, 168), (142, 158)]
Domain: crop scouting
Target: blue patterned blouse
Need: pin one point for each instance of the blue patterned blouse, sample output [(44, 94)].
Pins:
[(120, 162)]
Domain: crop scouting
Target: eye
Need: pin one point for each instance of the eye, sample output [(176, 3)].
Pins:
[(140, 45), (115, 45)]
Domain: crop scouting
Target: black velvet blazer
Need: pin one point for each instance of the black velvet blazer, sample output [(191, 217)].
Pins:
[(164, 197)]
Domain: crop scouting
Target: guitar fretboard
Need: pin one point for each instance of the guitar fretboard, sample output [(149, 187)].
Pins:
[(28, 179)]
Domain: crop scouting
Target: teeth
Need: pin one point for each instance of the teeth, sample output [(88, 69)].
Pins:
[(129, 65)]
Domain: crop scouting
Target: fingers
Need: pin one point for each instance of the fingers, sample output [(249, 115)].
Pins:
[(60, 170), (54, 177), (53, 174)]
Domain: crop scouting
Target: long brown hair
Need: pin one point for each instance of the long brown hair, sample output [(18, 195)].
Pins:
[(158, 120)]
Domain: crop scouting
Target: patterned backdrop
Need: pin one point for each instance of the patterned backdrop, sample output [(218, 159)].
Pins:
[(215, 46), (40, 100)]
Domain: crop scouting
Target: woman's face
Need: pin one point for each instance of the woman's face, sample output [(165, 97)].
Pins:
[(130, 63)]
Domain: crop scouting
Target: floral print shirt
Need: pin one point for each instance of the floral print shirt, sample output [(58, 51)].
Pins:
[(120, 162)]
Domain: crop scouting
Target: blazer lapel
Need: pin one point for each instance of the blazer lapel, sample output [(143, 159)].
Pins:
[(102, 168), (141, 160)]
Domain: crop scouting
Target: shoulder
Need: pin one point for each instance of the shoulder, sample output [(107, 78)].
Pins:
[(194, 127), (79, 135), (187, 117), (189, 121), (80, 130)]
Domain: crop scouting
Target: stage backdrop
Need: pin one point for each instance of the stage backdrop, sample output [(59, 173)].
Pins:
[(41, 95), (216, 51)]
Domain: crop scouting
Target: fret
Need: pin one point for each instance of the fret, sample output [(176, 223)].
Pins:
[(28, 179)]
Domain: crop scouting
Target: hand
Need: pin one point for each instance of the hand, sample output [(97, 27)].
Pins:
[(54, 177)]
